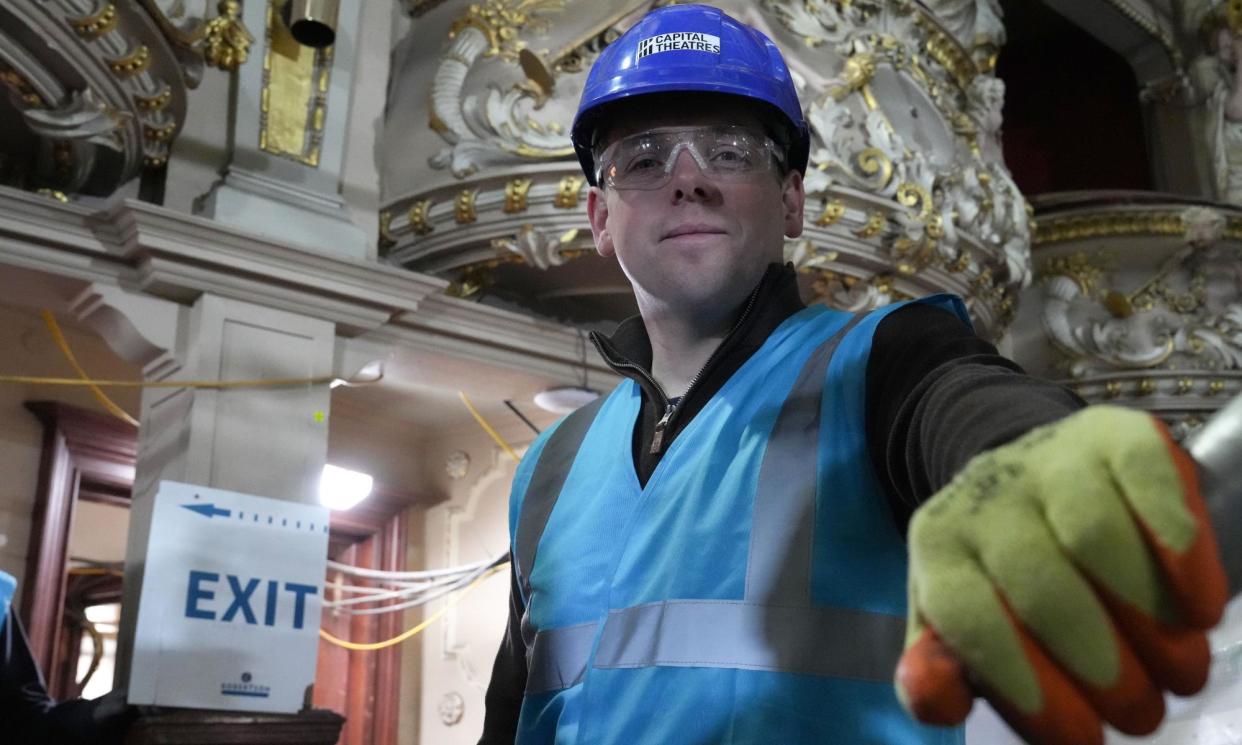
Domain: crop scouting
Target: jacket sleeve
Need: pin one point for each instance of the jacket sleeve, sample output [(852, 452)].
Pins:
[(937, 395), (30, 715), (23, 696), (508, 683)]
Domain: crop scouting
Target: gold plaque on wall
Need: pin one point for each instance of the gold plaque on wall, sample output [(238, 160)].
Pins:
[(295, 93)]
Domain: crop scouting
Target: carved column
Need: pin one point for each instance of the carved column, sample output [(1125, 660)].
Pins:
[(265, 441)]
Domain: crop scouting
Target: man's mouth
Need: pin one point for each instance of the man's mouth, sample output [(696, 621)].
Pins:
[(692, 229)]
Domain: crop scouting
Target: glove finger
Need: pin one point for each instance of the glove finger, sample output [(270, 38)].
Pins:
[(931, 682), (1058, 606), (1177, 658), (1178, 532), (950, 592), (1063, 715)]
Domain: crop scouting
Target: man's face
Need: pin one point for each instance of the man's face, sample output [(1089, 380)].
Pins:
[(697, 242)]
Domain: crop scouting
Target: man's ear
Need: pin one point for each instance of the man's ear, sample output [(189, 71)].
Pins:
[(793, 197), (597, 213)]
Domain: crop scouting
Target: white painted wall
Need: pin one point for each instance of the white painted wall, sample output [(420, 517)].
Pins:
[(360, 178), (99, 531), (458, 651), (20, 445), (29, 350), (201, 150)]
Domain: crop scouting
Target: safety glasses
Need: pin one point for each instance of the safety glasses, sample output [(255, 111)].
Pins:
[(645, 160)]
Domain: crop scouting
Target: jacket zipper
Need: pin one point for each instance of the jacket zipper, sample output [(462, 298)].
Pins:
[(670, 410)]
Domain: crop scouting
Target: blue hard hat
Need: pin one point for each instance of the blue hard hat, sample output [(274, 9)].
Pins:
[(690, 49)]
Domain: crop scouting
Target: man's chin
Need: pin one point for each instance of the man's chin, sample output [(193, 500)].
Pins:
[(711, 291)]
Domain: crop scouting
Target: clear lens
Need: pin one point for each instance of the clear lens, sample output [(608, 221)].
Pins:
[(645, 160)]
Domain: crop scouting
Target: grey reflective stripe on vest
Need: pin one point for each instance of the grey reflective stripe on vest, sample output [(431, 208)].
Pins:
[(545, 486), (839, 642), (559, 657), (778, 565)]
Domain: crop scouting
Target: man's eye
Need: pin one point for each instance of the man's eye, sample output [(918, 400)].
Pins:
[(729, 155), (645, 163)]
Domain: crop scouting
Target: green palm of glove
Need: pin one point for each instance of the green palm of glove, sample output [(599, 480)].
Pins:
[(1071, 572)]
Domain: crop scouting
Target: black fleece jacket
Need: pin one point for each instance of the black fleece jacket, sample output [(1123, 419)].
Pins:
[(28, 715), (937, 395)]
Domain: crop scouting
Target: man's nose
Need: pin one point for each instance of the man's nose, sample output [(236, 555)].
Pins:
[(688, 180)]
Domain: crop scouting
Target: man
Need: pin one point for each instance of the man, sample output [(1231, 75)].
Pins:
[(715, 552)]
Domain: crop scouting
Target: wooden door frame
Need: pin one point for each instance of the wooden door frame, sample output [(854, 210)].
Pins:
[(86, 456), (91, 456)]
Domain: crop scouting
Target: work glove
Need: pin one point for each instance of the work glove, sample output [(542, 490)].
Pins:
[(1069, 577)]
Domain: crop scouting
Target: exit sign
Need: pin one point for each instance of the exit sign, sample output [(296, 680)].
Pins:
[(232, 593)]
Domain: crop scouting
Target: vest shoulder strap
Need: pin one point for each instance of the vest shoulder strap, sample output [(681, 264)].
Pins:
[(545, 487)]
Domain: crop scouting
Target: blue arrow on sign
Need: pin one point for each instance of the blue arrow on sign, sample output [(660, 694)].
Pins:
[(208, 510)]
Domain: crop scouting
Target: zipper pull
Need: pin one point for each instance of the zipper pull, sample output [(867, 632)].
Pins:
[(657, 439)]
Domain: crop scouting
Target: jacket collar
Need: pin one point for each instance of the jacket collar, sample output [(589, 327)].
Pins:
[(776, 298)]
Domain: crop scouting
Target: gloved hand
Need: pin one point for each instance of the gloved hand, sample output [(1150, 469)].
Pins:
[(1069, 577)]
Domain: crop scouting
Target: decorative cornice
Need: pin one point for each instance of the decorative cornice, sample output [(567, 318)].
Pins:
[(170, 255), (1151, 219), (1153, 27)]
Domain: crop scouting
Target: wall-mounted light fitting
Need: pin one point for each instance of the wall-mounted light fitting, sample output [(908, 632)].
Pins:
[(312, 22)]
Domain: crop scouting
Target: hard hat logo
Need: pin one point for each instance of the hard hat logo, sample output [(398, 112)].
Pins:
[(716, 55), (683, 41)]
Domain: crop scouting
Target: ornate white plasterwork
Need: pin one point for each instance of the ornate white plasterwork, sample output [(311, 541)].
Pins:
[(943, 162), (107, 91), (508, 122), (977, 25), (1185, 316), (535, 247), (485, 505)]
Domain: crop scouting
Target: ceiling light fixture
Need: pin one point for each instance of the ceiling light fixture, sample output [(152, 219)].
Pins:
[(563, 399), (341, 488)]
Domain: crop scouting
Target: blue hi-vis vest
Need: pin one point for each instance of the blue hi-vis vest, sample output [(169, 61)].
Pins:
[(8, 586), (753, 592)]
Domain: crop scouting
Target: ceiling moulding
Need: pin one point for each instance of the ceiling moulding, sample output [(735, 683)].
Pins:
[(1144, 34), (907, 190), (166, 254)]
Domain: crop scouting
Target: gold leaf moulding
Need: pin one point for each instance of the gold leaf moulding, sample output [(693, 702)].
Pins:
[(516, 192), (464, 210), (94, 26), (132, 63), (834, 210), (418, 217), (568, 193)]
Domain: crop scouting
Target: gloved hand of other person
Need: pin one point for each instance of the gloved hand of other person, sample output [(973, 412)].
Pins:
[(1069, 577)]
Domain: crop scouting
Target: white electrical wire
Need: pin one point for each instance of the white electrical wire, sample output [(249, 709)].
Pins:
[(377, 594), (425, 574), (421, 598)]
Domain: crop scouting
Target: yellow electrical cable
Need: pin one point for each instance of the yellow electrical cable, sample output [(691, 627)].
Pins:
[(371, 647), (93, 571), (100, 396), (483, 422), (58, 336), (264, 383)]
